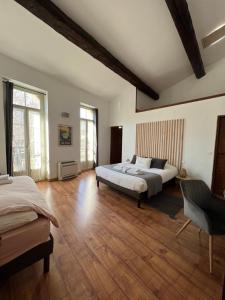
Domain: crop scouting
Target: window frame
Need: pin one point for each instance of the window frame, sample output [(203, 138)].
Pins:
[(41, 111)]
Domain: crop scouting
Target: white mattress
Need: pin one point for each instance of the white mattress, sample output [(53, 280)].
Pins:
[(23, 195), (15, 220), (132, 182), (17, 241)]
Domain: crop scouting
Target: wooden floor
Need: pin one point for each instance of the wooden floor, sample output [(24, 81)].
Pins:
[(107, 248)]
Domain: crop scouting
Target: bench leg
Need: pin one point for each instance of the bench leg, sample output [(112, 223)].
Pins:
[(46, 264), (98, 183)]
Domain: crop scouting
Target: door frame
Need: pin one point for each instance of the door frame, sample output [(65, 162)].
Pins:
[(86, 162), (215, 151)]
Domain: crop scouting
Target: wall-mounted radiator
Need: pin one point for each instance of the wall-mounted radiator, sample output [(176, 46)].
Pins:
[(67, 169)]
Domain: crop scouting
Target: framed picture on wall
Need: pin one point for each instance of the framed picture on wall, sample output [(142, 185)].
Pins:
[(65, 135)]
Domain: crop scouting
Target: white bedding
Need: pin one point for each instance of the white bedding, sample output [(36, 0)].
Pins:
[(23, 195), (14, 220), (132, 182)]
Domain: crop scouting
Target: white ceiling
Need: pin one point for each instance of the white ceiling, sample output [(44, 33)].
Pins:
[(28, 40), (140, 33)]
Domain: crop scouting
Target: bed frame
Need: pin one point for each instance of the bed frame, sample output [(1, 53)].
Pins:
[(133, 194), (41, 251)]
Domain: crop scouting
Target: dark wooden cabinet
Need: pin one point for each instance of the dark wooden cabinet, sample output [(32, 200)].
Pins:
[(116, 144), (218, 182)]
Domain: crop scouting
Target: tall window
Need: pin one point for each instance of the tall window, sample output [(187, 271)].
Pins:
[(28, 134), (88, 142)]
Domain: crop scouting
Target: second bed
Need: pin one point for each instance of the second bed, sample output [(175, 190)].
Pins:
[(125, 178)]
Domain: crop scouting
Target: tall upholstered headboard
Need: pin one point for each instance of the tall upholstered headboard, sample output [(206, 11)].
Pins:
[(161, 139)]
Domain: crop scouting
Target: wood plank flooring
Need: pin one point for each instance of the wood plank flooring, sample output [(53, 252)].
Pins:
[(107, 248)]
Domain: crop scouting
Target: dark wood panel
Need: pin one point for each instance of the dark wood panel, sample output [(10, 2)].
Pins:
[(218, 182), (116, 144), (183, 22), (49, 13), (221, 138), (219, 185)]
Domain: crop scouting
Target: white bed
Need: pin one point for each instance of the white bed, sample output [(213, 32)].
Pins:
[(134, 183), (24, 226), (15, 220)]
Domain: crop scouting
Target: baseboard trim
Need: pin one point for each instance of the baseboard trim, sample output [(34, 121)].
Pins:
[(56, 179)]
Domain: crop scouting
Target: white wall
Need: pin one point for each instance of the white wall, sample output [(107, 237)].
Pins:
[(200, 117), (191, 88), (211, 84), (200, 128), (61, 97)]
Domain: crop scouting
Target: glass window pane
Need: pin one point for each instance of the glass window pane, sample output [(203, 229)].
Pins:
[(35, 140), (86, 113), (90, 146), (90, 115), (18, 97), (83, 113), (19, 158), (32, 101), (83, 140)]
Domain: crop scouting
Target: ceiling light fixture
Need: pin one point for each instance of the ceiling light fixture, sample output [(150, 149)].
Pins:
[(214, 37)]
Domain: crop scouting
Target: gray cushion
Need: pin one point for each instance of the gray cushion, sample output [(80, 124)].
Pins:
[(158, 163), (205, 210), (133, 161)]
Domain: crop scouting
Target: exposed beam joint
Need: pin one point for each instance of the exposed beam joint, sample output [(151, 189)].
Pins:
[(183, 22), (49, 13)]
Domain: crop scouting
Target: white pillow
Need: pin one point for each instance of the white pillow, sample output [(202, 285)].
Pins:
[(142, 162)]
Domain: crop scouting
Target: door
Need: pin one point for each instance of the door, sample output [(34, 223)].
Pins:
[(218, 182), (87, 138), (19, 146), (35, 151), (28, 135), (116, 144)]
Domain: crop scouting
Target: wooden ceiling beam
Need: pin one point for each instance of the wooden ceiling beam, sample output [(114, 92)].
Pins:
[(183, 22), (49, 13)]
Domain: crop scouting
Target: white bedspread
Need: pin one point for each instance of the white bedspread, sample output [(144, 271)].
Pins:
[(15, 220), (132, 182), (23, 195)]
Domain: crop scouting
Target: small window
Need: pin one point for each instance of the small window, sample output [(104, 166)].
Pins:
[(27, 99), (86, 113), (18, 97), (32, 101)]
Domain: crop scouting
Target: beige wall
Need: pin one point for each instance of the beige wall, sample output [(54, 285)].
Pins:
[(200, 117), (61, 97), (190, 88), (200, 123)]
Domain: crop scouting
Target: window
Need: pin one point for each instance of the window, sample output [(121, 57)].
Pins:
[(87, 113), (28, 134), (88, 143), (26, 99)]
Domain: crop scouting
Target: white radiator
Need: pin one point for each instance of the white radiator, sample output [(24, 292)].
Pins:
[(67, 169)]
